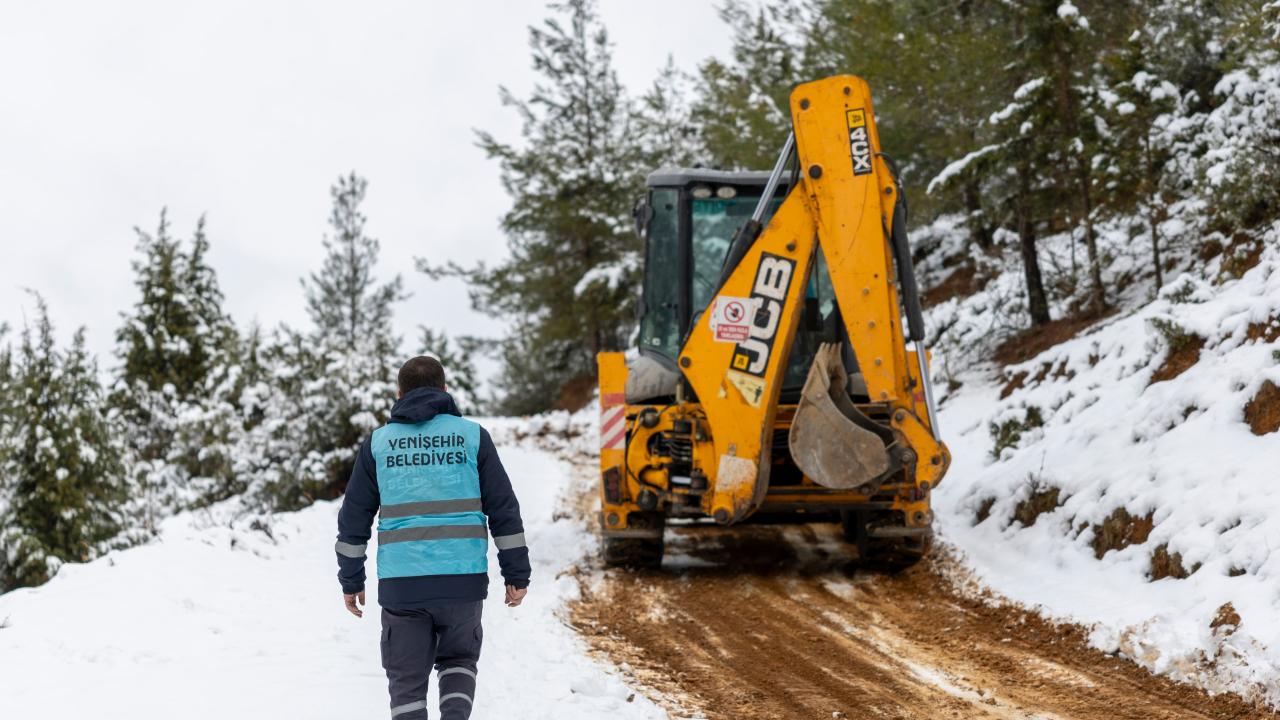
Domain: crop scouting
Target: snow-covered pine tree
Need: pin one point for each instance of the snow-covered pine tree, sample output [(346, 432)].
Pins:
[(271, 452), (458, 358), (1011, 165), (1058, 47), (177, 382), (63, 477), (177, 333), (1141, 108), (568, 283), (335, 383), (743, 110), (7, 419), (1237, 137), (665, 121)]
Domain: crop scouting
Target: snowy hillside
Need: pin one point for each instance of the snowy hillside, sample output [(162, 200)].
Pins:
[(1127, 478), (221, 620)]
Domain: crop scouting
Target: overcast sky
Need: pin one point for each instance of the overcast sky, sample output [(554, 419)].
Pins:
[(247, 112)]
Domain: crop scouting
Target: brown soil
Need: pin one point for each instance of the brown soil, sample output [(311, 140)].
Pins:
[(1263, 411), (984, 511), (575, 393), (1017, 382), (1030, 343), (1242, 255), (1119, 531), (777, 622), (1180, 359), (1210, 250), (1226, 618), (1165, 564), (961, 283), (1040, 502), (1266, 332)]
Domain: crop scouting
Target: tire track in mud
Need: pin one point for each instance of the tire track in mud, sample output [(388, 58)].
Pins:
[(779, 622)]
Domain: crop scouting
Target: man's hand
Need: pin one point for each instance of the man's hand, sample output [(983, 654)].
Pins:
[(351, 601), (515, 595)]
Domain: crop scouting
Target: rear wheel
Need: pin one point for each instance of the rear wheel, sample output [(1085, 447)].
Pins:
[(637, 552), (632, 552), (885, 554)]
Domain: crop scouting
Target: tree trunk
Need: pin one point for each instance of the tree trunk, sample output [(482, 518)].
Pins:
[(1153, 220), (1037, 301), (1155, 240), (979, 233), (1098, 294)]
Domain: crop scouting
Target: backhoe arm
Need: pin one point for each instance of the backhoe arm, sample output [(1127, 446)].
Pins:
[(845, 203)]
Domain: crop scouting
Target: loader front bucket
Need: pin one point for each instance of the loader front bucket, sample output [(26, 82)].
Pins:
[(829, 439)]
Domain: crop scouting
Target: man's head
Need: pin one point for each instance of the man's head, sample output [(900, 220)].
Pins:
[(420, 372)]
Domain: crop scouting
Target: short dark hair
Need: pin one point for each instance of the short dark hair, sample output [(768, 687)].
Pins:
[(422, 371)]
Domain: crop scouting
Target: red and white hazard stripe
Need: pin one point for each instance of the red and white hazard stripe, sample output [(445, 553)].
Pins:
[(613, 427)]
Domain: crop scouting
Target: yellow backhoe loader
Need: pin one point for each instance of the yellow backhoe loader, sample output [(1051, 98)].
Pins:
[(773, 374)]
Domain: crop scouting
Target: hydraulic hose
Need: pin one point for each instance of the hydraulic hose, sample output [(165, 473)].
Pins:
[(911, 294), (751, 229)]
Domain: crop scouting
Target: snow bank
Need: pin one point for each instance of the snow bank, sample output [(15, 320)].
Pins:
[(218, 620), (1197, 488)]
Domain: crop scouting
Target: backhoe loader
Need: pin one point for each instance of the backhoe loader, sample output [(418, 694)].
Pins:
[(773, 374)]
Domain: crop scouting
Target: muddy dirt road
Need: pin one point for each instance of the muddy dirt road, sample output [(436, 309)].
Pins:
[(798, 631)]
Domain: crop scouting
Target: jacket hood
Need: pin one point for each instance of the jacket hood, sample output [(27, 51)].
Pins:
[(422, 404)]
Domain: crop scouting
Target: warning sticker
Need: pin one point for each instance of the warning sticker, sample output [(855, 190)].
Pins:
[(751, 387), (729, 319)]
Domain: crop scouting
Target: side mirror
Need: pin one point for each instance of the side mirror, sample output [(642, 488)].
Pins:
[(642, 213)]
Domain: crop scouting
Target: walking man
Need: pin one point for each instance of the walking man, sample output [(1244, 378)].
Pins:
[(434, 478)]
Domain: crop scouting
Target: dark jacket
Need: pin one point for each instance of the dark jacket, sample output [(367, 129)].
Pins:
[(361, 503)]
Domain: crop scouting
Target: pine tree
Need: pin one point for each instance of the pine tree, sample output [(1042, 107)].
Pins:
[(272, 453), (458, 358), (177, 333), (665, 121), (1237, 139), (744, 111), (63, 476), (1010, 164), (568, 285), (177, 379), (8, 416), (1140, 105), (333, 384), (935, 71), (1058, 34)]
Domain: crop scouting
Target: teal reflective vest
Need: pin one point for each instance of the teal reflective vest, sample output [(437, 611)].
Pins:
[(431, 521)]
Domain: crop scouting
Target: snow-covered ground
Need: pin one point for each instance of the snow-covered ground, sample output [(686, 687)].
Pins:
[(217, 620), (1098, 431)]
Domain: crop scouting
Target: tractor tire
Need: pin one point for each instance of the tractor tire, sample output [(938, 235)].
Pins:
[(632, 552), (642, 552), (886, 555)]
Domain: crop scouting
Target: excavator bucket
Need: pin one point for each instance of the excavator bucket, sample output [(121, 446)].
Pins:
[(829, 439)]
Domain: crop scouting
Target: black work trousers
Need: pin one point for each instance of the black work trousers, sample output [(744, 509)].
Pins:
[(446, 636)]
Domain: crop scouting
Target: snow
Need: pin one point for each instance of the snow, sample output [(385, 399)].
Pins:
[(959, 166), (216, 620), (1178, 450), (609, 276), (1070, 13)]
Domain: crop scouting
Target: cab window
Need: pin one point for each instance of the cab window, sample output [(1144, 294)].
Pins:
[(660, 324)]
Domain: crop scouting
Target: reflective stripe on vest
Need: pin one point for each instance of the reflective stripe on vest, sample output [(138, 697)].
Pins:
[(431, 520)]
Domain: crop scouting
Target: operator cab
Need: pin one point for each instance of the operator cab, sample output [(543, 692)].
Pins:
[(688, 219)]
